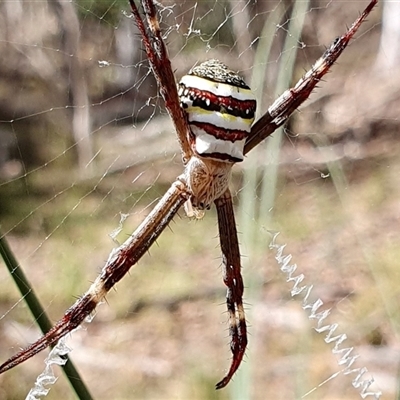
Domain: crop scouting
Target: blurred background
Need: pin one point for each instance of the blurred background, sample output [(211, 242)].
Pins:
[(86, 150)]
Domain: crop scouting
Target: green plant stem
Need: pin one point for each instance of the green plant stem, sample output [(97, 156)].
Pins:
[(39, 313)]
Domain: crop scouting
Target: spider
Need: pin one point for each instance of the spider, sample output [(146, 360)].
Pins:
[(213, 111)]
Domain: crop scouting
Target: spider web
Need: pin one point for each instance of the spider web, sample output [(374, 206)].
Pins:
[(86, 149)]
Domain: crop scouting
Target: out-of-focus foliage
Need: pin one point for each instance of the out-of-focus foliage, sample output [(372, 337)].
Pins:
[(107, 11)]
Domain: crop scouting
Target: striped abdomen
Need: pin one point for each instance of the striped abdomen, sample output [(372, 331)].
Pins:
[(220, 109)]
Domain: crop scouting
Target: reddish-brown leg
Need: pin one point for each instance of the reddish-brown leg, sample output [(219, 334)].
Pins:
[(160, 64), (119, 263), (233, 280), (279, 112)]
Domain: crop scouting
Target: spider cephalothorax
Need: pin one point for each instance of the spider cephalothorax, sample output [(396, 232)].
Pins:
[(220, 109)]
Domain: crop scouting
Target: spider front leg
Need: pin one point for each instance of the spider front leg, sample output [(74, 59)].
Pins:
[(117, 266), (157, 55), (279, 112), (233, 280)]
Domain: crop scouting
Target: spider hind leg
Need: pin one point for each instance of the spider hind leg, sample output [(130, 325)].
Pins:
[(232, 277)]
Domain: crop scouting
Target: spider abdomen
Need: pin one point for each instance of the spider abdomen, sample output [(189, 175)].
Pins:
[(220, 108)]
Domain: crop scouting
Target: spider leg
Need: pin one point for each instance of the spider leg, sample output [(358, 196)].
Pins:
[(233, 280), (161, 66), (278, 113), (118, 264)]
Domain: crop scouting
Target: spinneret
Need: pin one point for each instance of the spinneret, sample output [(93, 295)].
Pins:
[(220, 108)]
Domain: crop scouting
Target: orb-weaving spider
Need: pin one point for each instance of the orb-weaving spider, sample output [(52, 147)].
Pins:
[(213, 111)]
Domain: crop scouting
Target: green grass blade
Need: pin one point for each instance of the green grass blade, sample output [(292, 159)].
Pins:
[(39, 313)]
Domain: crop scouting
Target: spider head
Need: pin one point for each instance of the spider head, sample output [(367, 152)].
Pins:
[(220, 108)]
